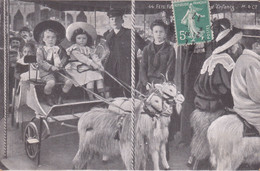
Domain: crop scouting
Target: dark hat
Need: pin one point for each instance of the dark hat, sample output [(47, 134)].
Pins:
[(49, 24), (158, 22), (115, 13), (226, 39), (24, 29), (220, 24)]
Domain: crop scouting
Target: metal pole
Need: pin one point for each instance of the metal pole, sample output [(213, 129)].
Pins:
[(95, 15), (144, 22), (40, 141), (66, 19)]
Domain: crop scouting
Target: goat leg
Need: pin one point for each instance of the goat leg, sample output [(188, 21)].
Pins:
[(163, 156), (155, 158)]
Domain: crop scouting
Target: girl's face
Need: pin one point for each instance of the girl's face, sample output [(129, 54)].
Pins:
[(82, 39), (27, 51), (159, 34), (49, 38)]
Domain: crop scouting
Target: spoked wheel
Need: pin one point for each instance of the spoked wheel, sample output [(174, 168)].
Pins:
[(31, 137)]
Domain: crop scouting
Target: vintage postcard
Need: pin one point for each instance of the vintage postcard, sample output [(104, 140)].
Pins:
[(129, 85)]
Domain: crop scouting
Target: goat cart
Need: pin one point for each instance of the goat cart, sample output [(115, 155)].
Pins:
[(30, 108)]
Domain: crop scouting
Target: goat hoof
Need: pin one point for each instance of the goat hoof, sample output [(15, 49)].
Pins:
[(167, 168)]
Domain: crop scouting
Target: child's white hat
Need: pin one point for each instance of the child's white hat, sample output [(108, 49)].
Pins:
[(84, 26)]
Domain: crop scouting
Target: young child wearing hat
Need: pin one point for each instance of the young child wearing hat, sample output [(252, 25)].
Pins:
[(158, 58), (51, 58), (84, 65)]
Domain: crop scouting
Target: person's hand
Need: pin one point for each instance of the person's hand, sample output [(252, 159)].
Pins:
[(94, 65), (54, 68)]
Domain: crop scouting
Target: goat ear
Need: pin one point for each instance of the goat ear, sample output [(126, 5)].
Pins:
[(148, 86), (152, 85), (179, 98), (158, 86), (178, 108), (164, 78)]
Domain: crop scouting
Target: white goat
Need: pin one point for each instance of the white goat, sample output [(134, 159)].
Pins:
[(229, 149), (97, 130)]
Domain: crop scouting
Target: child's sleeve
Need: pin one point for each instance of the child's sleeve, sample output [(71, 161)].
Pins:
[(41, 60), (81, 57), (170, 71), (144, 68)]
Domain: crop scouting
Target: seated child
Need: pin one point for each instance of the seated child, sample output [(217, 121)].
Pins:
[(22, 67), (84, 65), (158, 60), (51, 58)]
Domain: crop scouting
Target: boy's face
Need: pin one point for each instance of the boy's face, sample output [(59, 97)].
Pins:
[(25, 35), (27, 51), (49, 38), (81, 39), (116, 22), (159, 33), (15, 44)]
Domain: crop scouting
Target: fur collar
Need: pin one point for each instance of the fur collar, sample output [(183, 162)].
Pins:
[(223, 59)]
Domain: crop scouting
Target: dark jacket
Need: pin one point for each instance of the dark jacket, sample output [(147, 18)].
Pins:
[(153, 64), (213, 91), (119, 61), (44, 65)]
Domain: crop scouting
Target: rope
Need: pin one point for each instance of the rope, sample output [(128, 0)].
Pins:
[(120, 82), (89, 91), (133, 84), (6, 51)]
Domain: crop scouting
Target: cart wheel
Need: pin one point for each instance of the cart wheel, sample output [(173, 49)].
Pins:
[(45, 128), (31, 137)]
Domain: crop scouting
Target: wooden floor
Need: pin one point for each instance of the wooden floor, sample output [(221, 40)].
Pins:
[(57, 153)]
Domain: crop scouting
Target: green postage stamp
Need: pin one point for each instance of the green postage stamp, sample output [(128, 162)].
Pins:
[(192, 22)]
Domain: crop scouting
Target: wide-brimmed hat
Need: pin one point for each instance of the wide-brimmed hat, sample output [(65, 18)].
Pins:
[(49, 24), (115, 13), (227, 38), (251, 31), (89, 29)]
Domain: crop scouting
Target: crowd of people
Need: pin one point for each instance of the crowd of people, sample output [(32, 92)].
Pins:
[(214, 77)]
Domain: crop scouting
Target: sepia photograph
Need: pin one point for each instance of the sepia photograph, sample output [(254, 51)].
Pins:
[(129, 85)]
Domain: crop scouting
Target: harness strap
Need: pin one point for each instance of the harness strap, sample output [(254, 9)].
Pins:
[(89, 91)]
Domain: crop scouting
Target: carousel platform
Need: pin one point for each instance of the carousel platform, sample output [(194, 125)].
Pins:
[(57, 153)]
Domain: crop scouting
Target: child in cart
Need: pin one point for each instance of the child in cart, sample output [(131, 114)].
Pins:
[(158, 59), (51, 58), (22, 68), (85, 65)]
